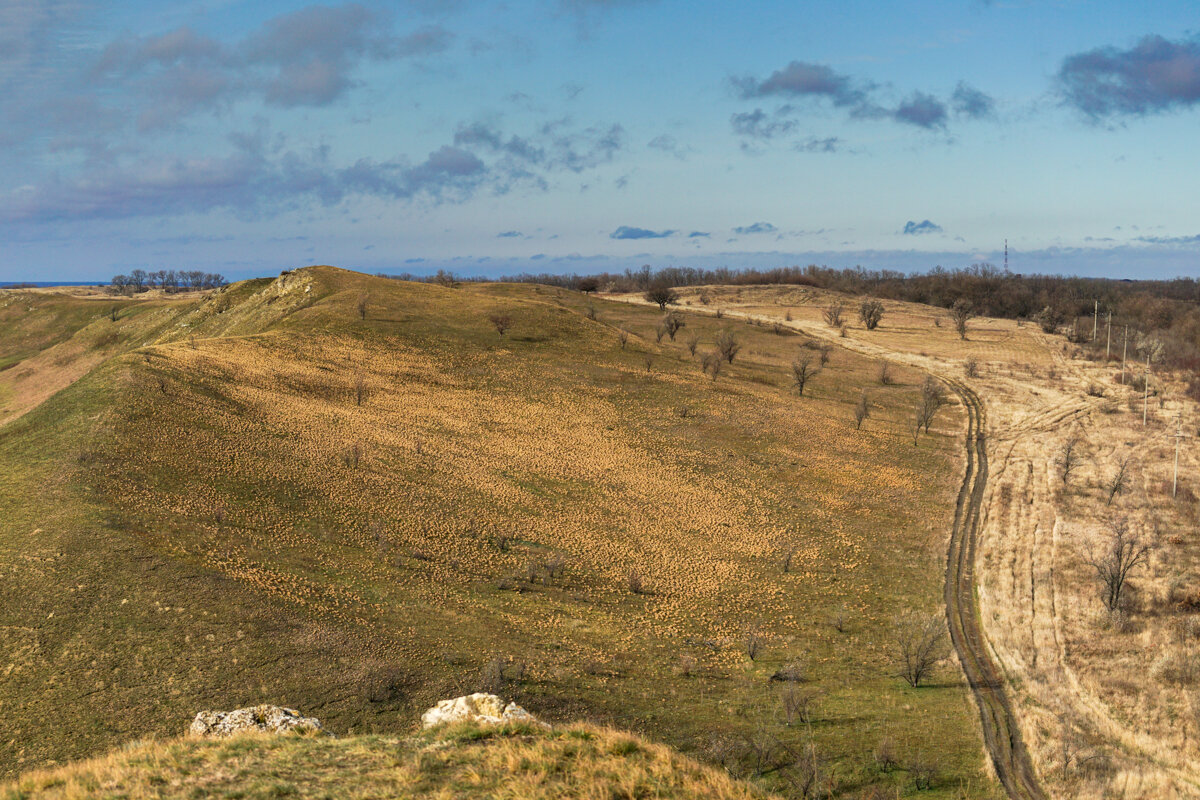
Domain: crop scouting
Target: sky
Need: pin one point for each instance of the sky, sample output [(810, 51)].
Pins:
[(572, 136)]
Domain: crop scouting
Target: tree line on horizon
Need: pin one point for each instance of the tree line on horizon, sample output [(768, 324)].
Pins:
[(169, 280), (1166, 309)]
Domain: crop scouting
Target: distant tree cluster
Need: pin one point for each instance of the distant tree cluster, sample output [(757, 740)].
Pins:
[(169, 280)]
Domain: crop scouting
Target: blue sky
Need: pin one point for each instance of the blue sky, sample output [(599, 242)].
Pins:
[(578, 135)]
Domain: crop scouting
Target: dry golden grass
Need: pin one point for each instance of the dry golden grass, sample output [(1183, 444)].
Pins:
[(216, 513), (1109, 707), (465, 761)]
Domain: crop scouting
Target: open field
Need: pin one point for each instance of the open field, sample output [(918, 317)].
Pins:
[(1108, 702), (264, 495)]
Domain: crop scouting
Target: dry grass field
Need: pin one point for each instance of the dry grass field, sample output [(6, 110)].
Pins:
[(1109, 701), (462, 761), (353, 496)]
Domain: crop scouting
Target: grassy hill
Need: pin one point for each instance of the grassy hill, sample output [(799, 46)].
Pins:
[(352, 496), (464, 761)]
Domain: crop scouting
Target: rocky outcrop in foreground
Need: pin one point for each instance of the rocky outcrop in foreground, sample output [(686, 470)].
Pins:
[(266, 719), (487, 709)]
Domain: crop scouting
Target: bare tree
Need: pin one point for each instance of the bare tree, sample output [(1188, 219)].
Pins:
[(623, 337), (885, 373), (1120, 480), (862, 410), (1121, 554), (789, 555), (113, 314), (961, 312), (712, 364), (823, 353), (727, 345), (1069, 458), (648, 359), (501, 322), (802, 372), (591, 311), (933, 397), (971, 368), (870, 312), (833, 315), (361, 305), (662, 294), (671, 323), (692, 343), (753, 645), (919, 645)]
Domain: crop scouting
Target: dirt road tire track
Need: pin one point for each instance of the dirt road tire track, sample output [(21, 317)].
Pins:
[(1001, 734)]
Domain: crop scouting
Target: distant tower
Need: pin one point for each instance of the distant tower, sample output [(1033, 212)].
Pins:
[(1006, 255)]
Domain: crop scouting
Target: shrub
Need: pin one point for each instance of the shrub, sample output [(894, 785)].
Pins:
[(885, 373), (870, 312), (501, 322), (971, 368), (727, 345), (833, 315), (634, 582), (662, 295), (919, 645), (862, 410)]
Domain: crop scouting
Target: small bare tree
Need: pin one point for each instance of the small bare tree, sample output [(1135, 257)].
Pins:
[(360, 390), (1069, 458), (919, 645), (712, 364), (789, 555), (885, 373), (961, 312), (663, 295), (692, 343), (727, 345), (361, 305), (501, 322), (862, 410), (833, 315), (823, 353), (591, 311), (933, 397), (623, 337), (672, 323), (648, 360), (1120, 480), (802, 372), (1121, 554), (870, 312)]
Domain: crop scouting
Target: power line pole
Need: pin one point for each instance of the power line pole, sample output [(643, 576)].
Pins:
[(1124, 351), (1108, 327), (1177, 437), (1146, 391)]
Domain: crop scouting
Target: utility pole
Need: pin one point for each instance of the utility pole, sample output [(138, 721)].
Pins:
[(1108, 327), (1177, 437), (1124, 350), (1146, 391), (1095, 319)]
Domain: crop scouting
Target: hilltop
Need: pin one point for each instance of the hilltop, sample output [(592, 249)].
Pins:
[(466, 760)]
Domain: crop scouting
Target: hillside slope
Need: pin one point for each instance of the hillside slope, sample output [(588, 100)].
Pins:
[(354, 496)]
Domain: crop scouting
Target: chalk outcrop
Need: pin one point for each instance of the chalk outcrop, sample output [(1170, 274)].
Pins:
[(487, 709), (266, 719)]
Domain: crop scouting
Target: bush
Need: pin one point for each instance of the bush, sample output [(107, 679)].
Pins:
[(870, 312)]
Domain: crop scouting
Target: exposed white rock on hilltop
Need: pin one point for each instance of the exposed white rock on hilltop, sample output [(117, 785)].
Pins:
[(483, 708), (267, 719)]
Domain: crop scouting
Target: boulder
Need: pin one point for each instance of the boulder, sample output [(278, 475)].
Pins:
[(266, 719), (483, 708)]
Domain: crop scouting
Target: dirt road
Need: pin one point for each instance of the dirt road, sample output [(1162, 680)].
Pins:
[(1001, 733)]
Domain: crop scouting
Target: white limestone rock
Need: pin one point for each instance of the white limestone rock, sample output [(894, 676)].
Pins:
[(267, 719), (483, 708)]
